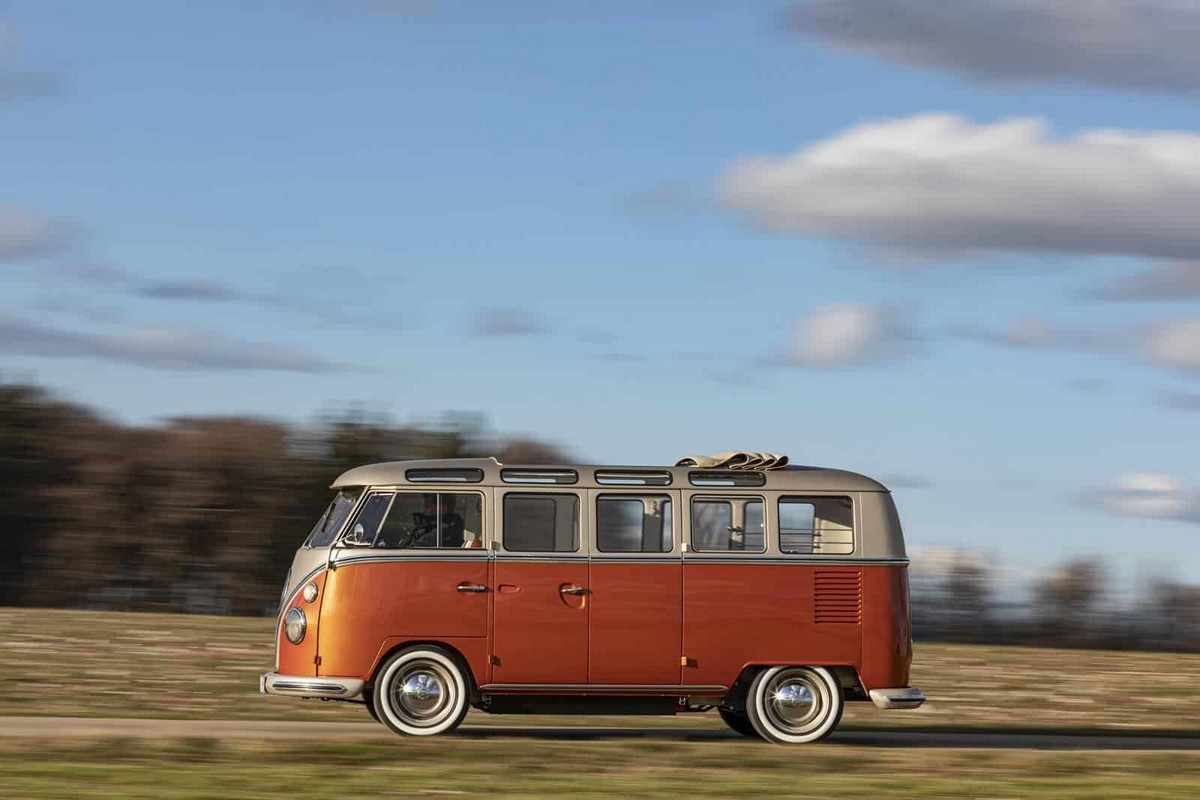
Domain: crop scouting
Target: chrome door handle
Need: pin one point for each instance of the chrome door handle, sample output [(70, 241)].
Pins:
[(471, 587), (572, 590)]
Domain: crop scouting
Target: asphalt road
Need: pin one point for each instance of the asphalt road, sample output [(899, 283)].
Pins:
[(83, 727)]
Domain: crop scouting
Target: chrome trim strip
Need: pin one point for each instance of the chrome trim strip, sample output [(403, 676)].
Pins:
[(902, 698), (505, 555), (824, 561), (585, 688), (300, 686), (466, 554), (656, 558)]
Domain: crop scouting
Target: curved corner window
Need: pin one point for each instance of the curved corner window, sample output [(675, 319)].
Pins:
[(816, 526), (335, 515)]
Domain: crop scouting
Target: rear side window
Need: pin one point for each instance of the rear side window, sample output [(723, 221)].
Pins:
[(816, 525), (727, 525), (541, 523), (633, 524)]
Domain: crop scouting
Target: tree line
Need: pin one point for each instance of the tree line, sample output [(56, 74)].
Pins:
[(203, 515), (1074, 606), (196, 514)]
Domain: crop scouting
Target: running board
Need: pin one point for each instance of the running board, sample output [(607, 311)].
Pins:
[(593, 688)]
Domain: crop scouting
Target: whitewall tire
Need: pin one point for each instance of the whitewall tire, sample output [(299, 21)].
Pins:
[(422, 692), (794, 705)]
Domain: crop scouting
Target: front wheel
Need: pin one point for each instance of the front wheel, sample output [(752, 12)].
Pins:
[(421, 692), (794, 705), (738, 722)]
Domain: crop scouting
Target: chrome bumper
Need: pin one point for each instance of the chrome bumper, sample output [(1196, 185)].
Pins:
[(297, 686), (907, 697)]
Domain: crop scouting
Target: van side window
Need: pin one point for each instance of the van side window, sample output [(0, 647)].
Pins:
[(633, 524), (724, 525), (541, 523), (433, 520), (816, 525)]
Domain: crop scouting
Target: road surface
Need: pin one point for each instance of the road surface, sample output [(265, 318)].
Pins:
[(75, 727)]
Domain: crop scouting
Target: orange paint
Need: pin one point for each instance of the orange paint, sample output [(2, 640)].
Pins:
[(886, 636), (367, 604), (636, 623), (740, 614), (540, 634), (300, 659), (649, 623)]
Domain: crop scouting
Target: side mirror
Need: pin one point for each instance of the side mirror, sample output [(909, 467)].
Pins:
[(357, 536)]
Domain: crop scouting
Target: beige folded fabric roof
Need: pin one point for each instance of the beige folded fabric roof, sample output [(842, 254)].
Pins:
[(735, 459)]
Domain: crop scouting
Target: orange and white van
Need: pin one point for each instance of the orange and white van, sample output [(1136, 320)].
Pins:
[(771, 593)]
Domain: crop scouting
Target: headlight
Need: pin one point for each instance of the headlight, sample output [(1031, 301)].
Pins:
[(310, 592), (293, 626)]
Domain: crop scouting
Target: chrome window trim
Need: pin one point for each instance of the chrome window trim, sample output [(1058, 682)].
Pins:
[(582, 522), (707, 495)]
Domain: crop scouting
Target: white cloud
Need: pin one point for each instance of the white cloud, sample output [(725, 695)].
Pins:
[(1029, 333), (503, 322), (1154, 495), (1125, 44), (17, 84), (1177, 280), (165, 348), (938, 183), (1174, 344), (27, 234), (845, 334)]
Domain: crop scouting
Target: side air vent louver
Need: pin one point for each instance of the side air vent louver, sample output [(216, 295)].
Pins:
[(837, 596)]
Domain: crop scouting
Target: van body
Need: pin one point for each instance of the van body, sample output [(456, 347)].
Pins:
[(430, 587)]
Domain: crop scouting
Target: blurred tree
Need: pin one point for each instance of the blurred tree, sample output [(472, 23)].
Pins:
[(1066, 602), (969, 612)]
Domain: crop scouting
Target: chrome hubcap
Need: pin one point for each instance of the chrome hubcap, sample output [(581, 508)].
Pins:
[(795, 702), (422, 692)]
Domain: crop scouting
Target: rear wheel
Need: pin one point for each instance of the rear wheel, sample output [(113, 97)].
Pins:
[(738, 722), (794, 705), (421, 692)]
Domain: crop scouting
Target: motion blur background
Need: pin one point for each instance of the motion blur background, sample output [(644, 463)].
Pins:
[(951, 245)]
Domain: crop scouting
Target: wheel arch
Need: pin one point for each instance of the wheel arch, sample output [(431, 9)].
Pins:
[(846, 675), (455, 653)]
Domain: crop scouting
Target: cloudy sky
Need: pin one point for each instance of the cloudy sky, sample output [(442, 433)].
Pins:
[(952, 245)]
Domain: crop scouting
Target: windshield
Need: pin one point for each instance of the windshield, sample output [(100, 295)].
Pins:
[(331, 521)]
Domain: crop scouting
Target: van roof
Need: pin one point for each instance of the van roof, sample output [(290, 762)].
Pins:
[(792, 477)]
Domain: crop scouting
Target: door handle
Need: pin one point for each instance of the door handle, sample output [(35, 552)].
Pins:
[(471, 587), (573, 590)]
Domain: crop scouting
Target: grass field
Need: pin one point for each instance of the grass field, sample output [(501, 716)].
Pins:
[(72, 663), (96, 664)]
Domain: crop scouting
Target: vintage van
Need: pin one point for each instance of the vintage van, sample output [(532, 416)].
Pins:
[(771, 593)]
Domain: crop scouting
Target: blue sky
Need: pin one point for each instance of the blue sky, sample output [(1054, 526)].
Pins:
[(951, 251)]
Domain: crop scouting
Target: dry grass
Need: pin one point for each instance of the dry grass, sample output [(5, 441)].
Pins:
[(611, 768), (73, 663)]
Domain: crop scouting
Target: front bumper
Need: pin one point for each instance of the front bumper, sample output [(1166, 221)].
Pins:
[(301, 686), (906, 697)]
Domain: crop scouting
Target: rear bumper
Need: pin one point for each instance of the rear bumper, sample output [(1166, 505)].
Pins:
[(907, 697), (300, 686)]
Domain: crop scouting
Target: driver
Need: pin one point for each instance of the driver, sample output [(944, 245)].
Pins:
[(425, 524)]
